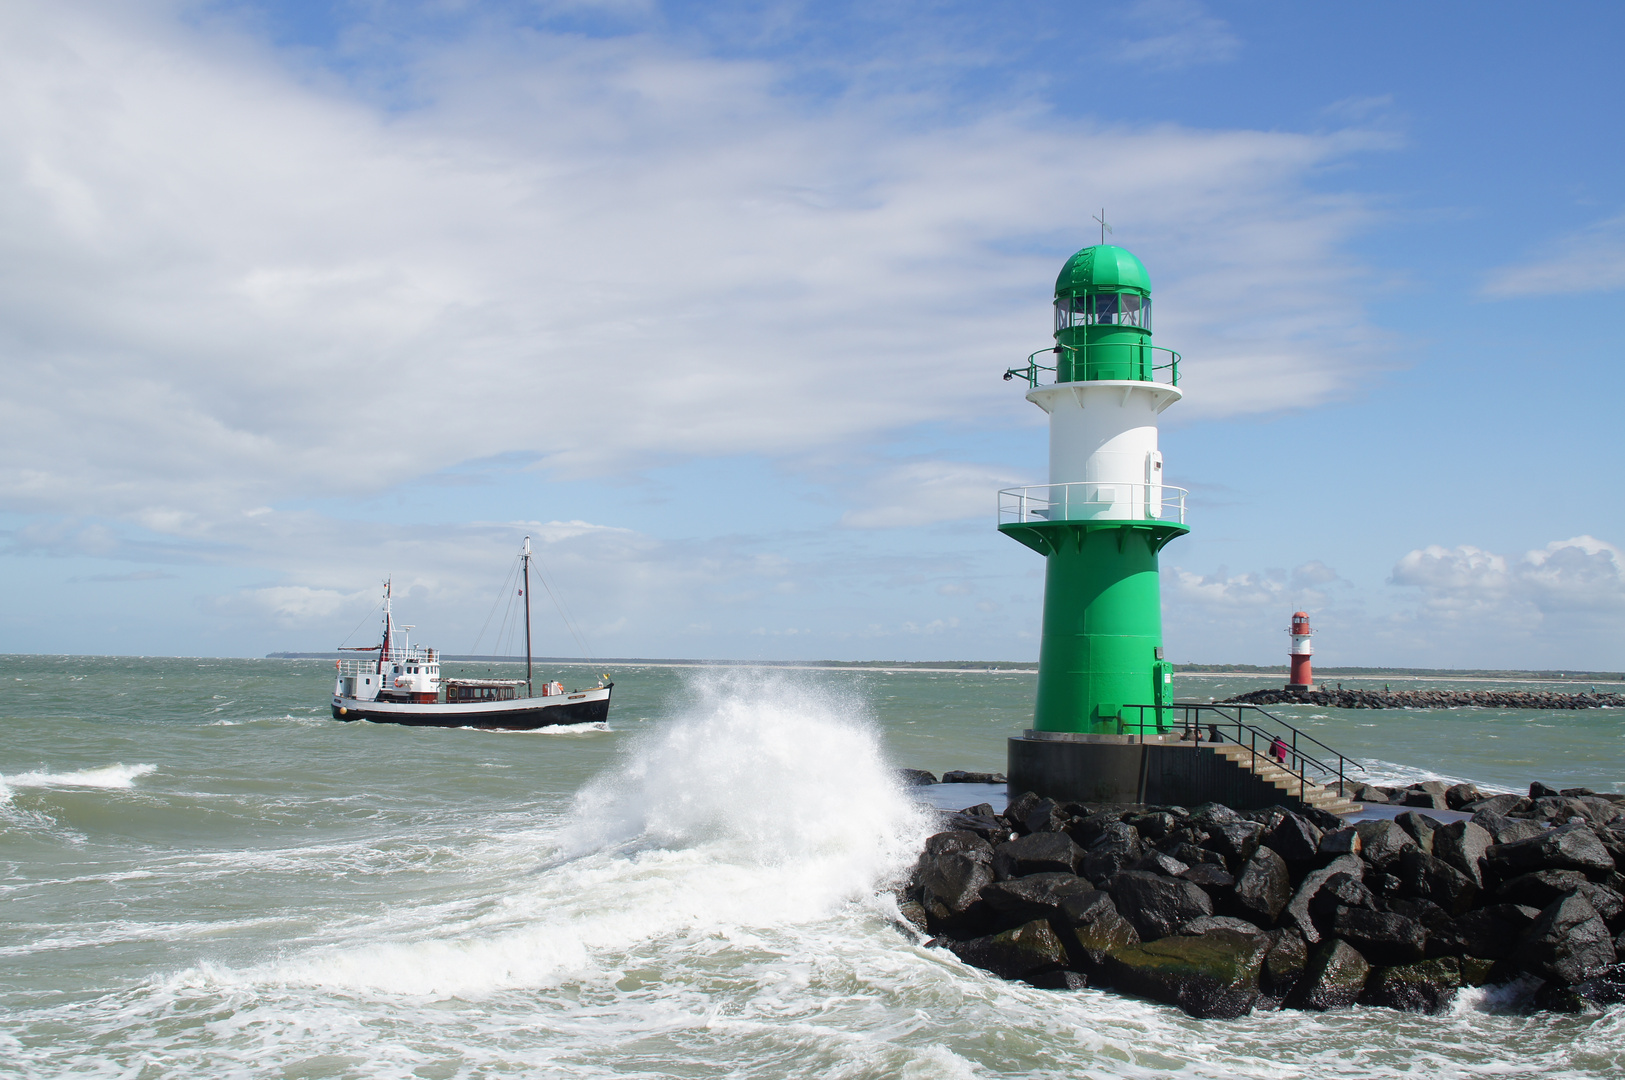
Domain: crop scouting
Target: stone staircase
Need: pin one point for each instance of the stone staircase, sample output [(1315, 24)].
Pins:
[(1321, 798)]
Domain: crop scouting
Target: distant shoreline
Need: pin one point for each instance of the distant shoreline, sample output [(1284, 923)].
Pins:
[(1006, 667)]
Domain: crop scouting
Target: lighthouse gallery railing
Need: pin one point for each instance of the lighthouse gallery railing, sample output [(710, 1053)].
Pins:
[(1091, 500), (1162, 373)]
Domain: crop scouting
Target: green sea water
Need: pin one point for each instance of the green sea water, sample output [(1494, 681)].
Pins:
[(204, 875)]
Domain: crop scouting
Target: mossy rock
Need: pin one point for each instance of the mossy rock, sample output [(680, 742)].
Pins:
[(1212, 976), (1425, 987)]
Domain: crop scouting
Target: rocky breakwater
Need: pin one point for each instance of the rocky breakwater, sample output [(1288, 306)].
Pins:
[(1223, 912), (1429, 699)]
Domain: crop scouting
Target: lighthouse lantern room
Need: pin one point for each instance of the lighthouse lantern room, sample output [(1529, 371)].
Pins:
[(1102, 519)]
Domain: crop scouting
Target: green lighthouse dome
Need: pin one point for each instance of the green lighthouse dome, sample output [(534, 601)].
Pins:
[(1103, 268)]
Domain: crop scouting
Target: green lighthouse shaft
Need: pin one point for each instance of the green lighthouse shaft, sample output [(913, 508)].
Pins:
[(1105, 515)]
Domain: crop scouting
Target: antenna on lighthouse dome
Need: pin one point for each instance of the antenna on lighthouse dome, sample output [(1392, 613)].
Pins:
[(1104, 228)]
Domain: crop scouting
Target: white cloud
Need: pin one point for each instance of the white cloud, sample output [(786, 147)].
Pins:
[(1179, 33), (242, 285), (1591, 260), (1222, 591), (1582, 575), (925, 492)]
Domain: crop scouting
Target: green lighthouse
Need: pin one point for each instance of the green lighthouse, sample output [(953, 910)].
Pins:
[(1105, 514)]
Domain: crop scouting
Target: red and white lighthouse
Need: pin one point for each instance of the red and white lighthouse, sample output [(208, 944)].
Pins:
[(1301, 678)]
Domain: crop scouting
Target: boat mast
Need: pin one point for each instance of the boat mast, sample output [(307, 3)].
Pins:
[(389, 628), (530, 689)]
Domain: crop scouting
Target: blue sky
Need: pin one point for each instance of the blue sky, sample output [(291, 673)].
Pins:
[(713, 300)]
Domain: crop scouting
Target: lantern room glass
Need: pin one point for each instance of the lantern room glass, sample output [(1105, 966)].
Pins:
[(1103, 309)]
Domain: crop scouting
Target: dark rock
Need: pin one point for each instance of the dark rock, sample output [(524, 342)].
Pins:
[(1570, 847), (1235, 839), (1382, 842), (1284, 963), (1602, 811), (1152, 826), (1332, 979), (1046, 816), (1567, 943), (1036, 853), (1576, 792), (1426, 987), (1420, 827), (1212, 976), (1560, 811), (1476, 971), (1015, 954), (1263, 887), (959, 776), (1424, 913), (1500, 805), (944, 843), (1209, 814), (1506, 830), (987, 826), (1540, 888), (1117, 847), (1537, 790), (1428, 800), (1606, 987), (1367, 794), (1434, 879), (1036, 896), (1381, 937), (1459, 795), (950, 890), (913, 913), (1158, 863), (1463, 844), (1092, 928), (1490, 932), (1297, 911), (1192, 855), (916, 777), (1213, 880), (1608, 903), (1157, 906), (1059, 979), (1208, 924), (1021, 805), (1340, 890), (1344, 841), (1294, 839)]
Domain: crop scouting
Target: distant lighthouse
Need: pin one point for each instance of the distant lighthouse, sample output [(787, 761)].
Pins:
[(1299, 654), (1100, 523)]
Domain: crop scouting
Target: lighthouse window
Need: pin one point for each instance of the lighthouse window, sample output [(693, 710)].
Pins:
[(1103, 309)]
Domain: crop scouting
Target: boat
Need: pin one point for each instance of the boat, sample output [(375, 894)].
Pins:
[(403, 685)]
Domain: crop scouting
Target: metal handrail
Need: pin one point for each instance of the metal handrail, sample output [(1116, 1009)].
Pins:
[(1245, 734), (1030, 372), (1038, 502)]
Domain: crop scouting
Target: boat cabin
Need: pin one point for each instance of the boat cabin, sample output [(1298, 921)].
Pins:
[(482, 689)]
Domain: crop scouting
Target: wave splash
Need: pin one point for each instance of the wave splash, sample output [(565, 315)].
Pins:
[(108, 776), (763, 805)]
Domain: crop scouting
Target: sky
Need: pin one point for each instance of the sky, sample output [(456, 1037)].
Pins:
[(713, 301)]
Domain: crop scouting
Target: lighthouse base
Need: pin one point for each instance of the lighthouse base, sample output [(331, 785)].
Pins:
[(1158, 769), (1303, 686)]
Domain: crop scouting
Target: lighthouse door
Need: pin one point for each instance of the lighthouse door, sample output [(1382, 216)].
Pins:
[(1153, 484)]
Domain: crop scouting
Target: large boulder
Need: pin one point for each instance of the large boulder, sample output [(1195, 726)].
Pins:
[(1332, 979), (1297, 911), (1425, 987), (1216, 881), (1236, 839), (1490, 933), (1569, 847), (1158, 906), (1028, 950), (1036, 896), (1567, 943), (1606, 987), (1463, 844), (1209, 924), (951, 884), (1263, 887), (1382, 937), (1294, 839), (1507, 830), (1501, 805), (1420, 827), (1382, 842), (1284, 964), (1431, 878), (1212, 976), (1459, 795), (1343, 841), (1540, 887), (1036, 853), (1118, 846), (1091, 928)]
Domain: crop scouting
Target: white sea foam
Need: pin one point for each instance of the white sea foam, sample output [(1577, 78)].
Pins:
[(766, 804), (108, 776)]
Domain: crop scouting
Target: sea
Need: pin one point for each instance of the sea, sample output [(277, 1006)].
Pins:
[(206, 876)]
